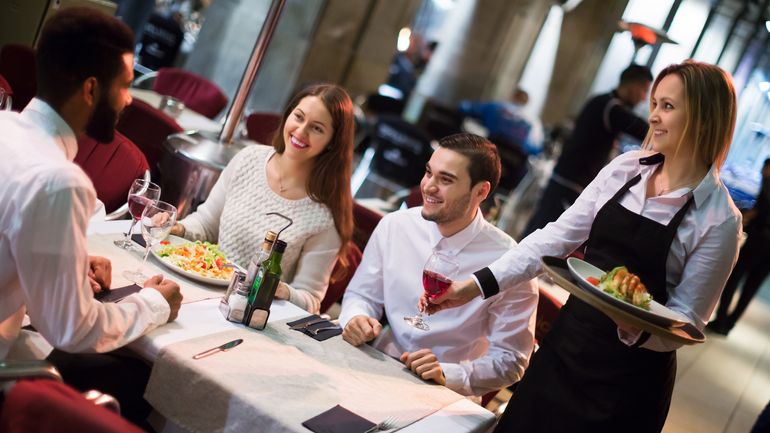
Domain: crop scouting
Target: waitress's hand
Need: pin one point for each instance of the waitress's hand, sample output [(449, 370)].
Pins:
[(459, 293)]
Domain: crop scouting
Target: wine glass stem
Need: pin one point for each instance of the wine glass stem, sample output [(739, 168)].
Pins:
[(144, 260), (130, 229)]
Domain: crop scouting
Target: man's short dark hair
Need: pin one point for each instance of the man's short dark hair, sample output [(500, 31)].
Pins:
[(77, 43), (482, 154), (636, 74)]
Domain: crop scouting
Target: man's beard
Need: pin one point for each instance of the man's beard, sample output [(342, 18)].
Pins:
[(101, 127)]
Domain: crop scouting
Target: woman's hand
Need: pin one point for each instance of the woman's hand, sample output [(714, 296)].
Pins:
[(459, 293), (282, 291)]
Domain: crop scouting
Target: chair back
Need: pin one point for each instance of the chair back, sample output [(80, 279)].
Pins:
[(48, 406), (5, 85), (365, 221), (161, 39), (261, 127), (112, 167), (337, 288), (148, 128), (548, 308), (401, 150), (198, 93), (17, 66), (513, 163)]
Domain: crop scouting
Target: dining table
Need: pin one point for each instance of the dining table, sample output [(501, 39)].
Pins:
[(277, 378), (188, 119)]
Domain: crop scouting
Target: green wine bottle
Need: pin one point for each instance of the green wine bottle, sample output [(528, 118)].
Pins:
[(263, 290)]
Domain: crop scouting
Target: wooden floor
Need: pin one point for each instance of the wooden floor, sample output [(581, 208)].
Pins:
[(723, 384)]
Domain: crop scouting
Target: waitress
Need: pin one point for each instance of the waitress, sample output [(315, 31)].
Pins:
[(664, 214)]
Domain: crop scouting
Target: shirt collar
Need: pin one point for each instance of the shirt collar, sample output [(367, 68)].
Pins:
[(701, 192), (452, 245), (48, 121)]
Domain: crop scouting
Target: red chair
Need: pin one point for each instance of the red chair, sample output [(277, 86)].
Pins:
[(49, 406), (261, 127), (365, 221), (5, 85), (148, 128), (17, 65), (198, 93), (337, 288), (112, 168)]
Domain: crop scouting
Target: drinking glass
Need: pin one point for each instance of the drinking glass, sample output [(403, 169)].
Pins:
[(5, 100), (142, 193), (157, 220), (437, 275)]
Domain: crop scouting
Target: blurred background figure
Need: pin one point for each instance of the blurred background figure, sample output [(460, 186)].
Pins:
[(752, 262), (508, 123), (600, 122), (408, 64)]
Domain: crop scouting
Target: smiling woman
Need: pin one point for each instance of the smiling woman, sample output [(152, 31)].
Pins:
[(305, 176)]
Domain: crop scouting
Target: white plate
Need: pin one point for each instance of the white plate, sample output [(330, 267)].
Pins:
[(657, 314), (175, 240)]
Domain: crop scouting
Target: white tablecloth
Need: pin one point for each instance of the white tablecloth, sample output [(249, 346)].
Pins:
[(189, 119), (362, 378)]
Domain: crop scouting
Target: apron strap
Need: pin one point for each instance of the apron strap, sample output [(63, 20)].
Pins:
[(625, 188)]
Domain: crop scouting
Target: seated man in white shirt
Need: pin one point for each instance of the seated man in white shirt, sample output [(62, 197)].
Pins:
[(485, 345), (85, 66)]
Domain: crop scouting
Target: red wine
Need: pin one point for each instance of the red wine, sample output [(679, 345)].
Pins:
[(136, 205), (435, 284)]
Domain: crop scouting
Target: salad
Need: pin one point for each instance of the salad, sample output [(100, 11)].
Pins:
[(623, 285), (202, 258)]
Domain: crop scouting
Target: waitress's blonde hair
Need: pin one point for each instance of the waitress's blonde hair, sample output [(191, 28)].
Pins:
[(710, 106)]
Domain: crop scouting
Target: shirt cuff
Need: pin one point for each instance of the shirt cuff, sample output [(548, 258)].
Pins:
[(485, 279), (454, 375), (157, 303), (633, 339)]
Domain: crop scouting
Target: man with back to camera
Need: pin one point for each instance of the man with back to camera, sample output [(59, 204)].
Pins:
[(84, 69), (602, 119), (484, 346)]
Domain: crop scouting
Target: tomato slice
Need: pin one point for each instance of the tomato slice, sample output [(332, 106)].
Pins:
[(164, 242), (593, 280)]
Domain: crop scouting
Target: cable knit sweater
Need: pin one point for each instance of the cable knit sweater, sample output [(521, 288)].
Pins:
[(234, 216)]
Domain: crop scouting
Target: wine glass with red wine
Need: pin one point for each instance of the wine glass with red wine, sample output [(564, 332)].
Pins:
[(437, 275), (142, 193)]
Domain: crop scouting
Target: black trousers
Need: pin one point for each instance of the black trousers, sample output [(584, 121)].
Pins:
[(556, 198), (123, 377), (754, 266)]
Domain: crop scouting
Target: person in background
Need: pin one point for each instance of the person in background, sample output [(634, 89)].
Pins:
[(406, 65), (508, 123), (85, 66), (600, 122), (481, 347), (305, 176), (663, 213), (752, 261)]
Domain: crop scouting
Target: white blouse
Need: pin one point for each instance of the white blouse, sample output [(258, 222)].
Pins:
[(702, 254)]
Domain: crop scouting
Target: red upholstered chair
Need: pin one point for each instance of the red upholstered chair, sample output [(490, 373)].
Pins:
[(337, 288), (5, 85), (147, 127), (195, 91), (365, 221), (112, 168), (260, 127), (45, 406), (17, 66)]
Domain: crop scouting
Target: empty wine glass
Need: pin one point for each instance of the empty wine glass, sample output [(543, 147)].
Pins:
[(142, 193), (157, 220), (437, 275), (5, 100)]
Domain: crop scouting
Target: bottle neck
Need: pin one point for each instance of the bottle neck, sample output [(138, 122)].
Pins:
[(273, 264)]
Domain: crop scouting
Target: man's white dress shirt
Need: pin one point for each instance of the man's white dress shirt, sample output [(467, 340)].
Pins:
[(702, 254), (47, 202), (482, 346)]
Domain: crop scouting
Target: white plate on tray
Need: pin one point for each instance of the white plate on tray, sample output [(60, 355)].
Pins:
[(657, 314), (165, 261)]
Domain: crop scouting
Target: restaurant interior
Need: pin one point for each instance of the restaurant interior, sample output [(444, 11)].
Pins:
[(212, 78)]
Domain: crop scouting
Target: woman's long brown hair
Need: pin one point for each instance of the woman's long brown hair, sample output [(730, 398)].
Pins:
[(329, 180)]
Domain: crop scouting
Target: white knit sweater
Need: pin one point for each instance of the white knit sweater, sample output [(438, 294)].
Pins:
[(234, 216)]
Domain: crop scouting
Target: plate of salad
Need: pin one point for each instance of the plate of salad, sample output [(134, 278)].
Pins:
[(624, 290), (200, 261)]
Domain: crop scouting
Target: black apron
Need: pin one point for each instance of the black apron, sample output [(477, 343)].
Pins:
[(583, 379)]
